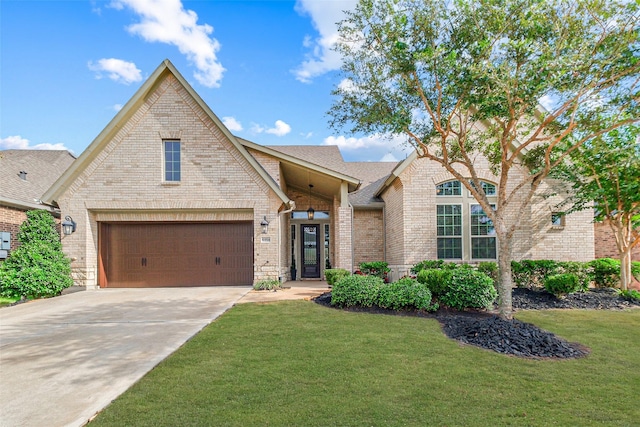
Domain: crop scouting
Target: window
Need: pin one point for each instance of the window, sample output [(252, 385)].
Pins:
[(449, 220), (482, 246), (449, 188), (316, 215), (172, 161), (557, 220), (463, 229)]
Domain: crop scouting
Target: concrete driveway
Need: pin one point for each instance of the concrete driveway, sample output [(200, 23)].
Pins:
[(64, 359)]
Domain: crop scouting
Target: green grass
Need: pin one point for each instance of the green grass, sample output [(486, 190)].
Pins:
[(7, 301), (300, 364)]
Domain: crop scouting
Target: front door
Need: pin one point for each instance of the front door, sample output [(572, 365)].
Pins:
[(310, 251)]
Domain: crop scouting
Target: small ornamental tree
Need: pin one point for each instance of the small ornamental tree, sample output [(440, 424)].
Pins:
[(462, 80), (38, 267), (605, 173)]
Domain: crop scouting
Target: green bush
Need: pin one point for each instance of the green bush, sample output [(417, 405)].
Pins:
[(469, 289), (267, 285), (427, 264), (533, 273), (606, 272), (436, 280), (374, 268), (334, 275), (562, 284), (38, 267), (582, 270), (489, 268), (356, 290), (630, 294), (405, 293)]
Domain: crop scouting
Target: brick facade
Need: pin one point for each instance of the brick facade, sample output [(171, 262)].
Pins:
[(10, 220), (126, 178), (606, 243), (368, 236), (410, 218)]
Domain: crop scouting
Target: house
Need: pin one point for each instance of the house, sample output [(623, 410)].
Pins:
[(167, 196), (24, 177)]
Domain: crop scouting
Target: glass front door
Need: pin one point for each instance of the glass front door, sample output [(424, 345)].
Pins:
[(310, 251)]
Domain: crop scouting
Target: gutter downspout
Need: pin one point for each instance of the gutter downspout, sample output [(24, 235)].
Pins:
[(292, 206)]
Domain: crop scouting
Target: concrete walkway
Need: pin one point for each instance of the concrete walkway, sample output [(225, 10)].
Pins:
[(299, 289), (64, 359)]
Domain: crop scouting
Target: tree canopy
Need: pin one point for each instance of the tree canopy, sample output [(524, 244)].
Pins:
[(465, 78), (605, 173)]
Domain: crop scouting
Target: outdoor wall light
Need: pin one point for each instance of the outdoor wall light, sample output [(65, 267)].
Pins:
[(265, 225), (68, 226), (310, 211)]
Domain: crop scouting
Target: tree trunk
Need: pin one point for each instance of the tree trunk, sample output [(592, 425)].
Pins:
[(505, 284), (622, 232), (625, 269)]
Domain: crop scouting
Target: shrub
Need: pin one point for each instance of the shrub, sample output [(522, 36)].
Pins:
[(582, 270), (532, 273), (562, 284), (405, 293), (436, 280), (375, 268), (469, 289), (356, 290), (38, 267), (635, 269), (427, 264), (630, 295), (334, 275), (267, 285), (606, 272), (489, 268)]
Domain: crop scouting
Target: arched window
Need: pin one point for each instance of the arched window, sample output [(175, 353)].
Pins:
[(464, 231)]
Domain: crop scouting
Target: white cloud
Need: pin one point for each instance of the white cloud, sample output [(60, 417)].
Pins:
[(324, 16), (117, 107), (547, 102), (117, 70), (281, 129), (166, 21), (370, 141), (17, 142), (383, 148), (347, 85), (389, 157), (232, 124)]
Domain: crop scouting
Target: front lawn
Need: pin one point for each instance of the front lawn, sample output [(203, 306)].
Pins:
[(298, 363), (7, 301)]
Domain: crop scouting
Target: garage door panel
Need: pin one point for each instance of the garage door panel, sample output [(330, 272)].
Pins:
[(176, 254)]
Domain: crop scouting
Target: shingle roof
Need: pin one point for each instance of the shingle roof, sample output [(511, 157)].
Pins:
[(372, 174), (43, 168)]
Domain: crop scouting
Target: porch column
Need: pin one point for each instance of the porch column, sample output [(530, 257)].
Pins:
[(344, 195), (343, 236)]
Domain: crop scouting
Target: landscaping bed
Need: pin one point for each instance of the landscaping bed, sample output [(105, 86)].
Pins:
[(486, 330)]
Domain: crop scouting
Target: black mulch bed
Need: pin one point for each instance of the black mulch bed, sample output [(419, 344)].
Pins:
[(513, 337)]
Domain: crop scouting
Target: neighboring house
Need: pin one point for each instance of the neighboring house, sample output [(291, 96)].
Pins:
[(167, 196), (24, 176)]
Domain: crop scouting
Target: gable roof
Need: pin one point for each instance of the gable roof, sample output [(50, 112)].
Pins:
[(129, 109), (42, 167), (310, 159), (370, 175)]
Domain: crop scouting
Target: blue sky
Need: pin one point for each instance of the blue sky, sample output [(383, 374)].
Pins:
[(264, 67)]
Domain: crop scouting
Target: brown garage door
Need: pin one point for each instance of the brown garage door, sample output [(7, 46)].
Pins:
[(135, 255)]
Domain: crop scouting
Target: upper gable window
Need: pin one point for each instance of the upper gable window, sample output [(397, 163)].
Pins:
[(449, 188), (172, 161), (489, 189)]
